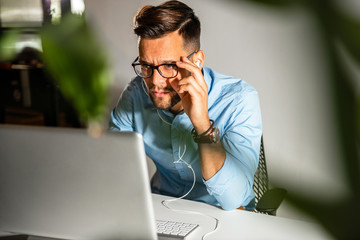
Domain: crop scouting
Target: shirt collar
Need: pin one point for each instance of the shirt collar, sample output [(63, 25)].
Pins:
[(207, 77)]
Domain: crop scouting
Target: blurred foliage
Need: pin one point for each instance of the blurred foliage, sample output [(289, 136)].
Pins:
[(340, 218), (78, 63), (7, 45), (349, 32), (358, 118)]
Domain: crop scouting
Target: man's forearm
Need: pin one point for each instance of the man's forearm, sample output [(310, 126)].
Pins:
[(212, 158)]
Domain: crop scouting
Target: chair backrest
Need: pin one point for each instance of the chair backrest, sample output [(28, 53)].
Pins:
[(261, 180), (267, 201)]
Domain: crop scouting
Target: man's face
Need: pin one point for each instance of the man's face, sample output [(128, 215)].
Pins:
[(167, 49)]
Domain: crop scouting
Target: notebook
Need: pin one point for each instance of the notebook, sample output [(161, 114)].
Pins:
[(64, 184)]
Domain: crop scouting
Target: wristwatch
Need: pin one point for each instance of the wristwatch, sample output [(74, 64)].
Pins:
[(212, 135)]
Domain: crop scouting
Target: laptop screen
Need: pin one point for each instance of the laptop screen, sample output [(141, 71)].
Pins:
[(62, 183)]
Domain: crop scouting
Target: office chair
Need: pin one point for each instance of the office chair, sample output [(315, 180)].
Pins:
[(267, 201)]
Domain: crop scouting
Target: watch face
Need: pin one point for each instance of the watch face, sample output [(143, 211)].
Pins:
[(215, 135)]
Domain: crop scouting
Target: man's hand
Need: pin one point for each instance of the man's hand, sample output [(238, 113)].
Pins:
[(193, 92)]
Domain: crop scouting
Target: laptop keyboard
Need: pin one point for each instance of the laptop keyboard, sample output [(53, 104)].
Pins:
[(174, 230)]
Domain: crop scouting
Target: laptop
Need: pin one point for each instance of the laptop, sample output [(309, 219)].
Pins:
[(61, 183)]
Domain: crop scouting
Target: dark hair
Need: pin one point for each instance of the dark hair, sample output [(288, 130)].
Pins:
[(156, 21)]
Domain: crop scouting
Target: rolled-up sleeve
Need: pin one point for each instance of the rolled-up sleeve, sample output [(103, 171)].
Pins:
[(232, 184)]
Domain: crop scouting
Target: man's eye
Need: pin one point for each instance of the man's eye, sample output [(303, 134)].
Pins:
[(169, 66)]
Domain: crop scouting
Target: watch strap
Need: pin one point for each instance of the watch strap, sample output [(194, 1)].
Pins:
[(211, 135)]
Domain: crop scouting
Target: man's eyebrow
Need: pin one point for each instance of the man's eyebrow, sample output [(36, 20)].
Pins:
[(162, 62), (144, 62)]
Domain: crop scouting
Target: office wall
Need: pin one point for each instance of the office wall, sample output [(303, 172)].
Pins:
[(278, 52)]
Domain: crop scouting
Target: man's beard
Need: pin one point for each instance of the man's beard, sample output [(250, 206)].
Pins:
[(159, 101)]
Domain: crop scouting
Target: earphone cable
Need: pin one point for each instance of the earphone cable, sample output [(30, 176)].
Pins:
[(181, 160)]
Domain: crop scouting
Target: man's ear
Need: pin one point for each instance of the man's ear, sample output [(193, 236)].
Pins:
[(199, 58)]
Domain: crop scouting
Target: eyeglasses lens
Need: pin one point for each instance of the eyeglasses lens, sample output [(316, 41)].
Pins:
[(166, 70)]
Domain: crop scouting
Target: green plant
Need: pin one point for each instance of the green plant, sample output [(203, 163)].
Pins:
[(79, 65), (7, 45)]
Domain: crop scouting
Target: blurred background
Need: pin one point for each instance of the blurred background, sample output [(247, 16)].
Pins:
[(277, 50)]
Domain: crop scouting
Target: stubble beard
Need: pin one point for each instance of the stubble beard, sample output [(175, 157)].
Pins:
[(163, 103)]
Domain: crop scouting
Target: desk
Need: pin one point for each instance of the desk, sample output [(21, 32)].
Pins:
[(236, 224)]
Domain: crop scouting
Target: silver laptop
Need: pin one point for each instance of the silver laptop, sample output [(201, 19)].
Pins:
[(62, 183)]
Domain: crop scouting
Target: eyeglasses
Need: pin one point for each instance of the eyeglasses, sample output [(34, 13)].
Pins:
[(166, 70)]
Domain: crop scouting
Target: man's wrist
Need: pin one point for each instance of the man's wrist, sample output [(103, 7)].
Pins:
[(205, 130), (202, 127), (210, 135)]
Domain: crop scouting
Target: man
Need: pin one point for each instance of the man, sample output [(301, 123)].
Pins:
[(190, 117)]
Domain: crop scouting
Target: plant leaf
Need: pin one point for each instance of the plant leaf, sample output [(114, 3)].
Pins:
[(79, 65)]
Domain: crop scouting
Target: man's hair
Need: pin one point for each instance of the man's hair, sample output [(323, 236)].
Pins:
[(153, 22)]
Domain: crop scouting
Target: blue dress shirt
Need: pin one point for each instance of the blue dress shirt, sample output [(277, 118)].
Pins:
[(233, 105)]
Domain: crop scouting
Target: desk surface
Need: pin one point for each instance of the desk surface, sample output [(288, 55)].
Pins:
[(236, 224)]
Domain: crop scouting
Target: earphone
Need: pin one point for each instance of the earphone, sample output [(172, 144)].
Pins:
[(198, 63)]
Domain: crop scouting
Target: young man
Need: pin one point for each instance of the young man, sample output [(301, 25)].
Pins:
[(192, 118)]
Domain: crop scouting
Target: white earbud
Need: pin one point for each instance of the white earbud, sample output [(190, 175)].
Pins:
[(198, 63)]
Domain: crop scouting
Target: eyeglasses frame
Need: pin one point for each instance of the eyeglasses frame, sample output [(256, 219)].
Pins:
[(134, 64)]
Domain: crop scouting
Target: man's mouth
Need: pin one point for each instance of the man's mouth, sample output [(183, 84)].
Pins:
[(160, 93)]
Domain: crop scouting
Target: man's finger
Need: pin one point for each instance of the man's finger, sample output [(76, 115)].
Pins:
[(188, 65)]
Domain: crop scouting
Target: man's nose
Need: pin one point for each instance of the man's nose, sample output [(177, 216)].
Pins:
[(157, 79)]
